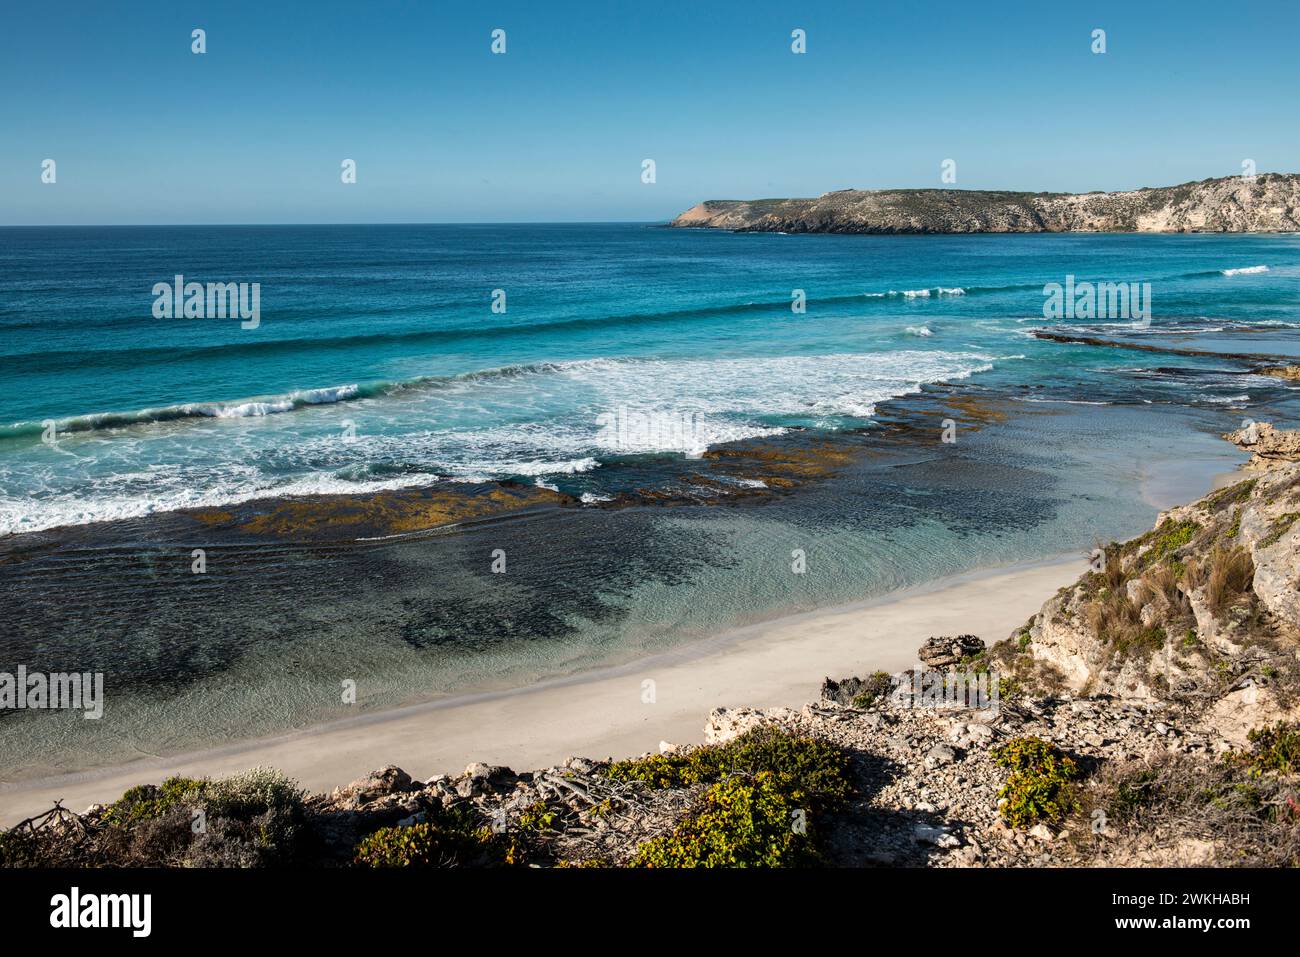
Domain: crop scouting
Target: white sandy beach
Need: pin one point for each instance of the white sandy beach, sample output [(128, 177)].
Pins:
[(601, 713)]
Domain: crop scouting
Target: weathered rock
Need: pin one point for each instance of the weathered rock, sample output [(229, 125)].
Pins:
[(1168, 659), (939, 755), (727, 724), (376, 784), (842, 691), (1268, 445), (1281, 372), (944, 652), (480, 778), (927, 834)]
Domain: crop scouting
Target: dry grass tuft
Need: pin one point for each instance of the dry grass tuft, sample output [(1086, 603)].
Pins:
[(1229, 576)]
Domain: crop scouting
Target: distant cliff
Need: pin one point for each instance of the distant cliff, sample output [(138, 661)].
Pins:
[(1232, 204)]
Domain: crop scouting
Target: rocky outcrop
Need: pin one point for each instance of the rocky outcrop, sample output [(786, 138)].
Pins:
[(1269, 202), (1281, 372), (1269, 446), (1204, 607), (943, 653)]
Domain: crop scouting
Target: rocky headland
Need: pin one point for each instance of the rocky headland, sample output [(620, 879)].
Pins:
[(1268, 202)]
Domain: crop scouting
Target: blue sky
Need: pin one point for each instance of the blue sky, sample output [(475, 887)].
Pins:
[(442, 130)]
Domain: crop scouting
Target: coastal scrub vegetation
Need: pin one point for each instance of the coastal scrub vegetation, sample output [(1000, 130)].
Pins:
[(766, 790), (252, 819), (1040, 787), (743, 821), (808, 768), (756, 801), (878, 687), (452, 837), (1244, 804)]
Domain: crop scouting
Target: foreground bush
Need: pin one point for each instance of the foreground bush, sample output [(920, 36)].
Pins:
[(810, 770), (1244, 807), (767, 787), (1272, 750), (744, 821), (252, 819), (1039, 787), (149, 801), (453, 838), (877, 689)]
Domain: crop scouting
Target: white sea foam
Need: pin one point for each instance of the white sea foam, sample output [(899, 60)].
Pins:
[(537, 422), (923, 331), (918, 293), (1244, 270), (927, 293)]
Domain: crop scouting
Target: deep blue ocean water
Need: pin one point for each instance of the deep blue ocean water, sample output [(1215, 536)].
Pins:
[(379, 363)]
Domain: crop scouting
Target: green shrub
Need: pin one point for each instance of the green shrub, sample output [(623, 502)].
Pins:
[(1168, 538), (453, 838), (1039, 786), (809, 769), (878, 688), (250, 819), (744, 821), (145, 802), (538, 816), (250, 793), (1230, 495), (1281, 525), (1273, 750)]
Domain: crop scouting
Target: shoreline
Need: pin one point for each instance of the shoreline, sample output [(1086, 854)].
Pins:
[(600, 712)]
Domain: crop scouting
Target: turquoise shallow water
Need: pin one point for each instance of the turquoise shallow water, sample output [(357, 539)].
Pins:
[(379, 363)]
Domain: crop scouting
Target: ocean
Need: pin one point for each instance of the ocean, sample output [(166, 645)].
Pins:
[(607, 374)]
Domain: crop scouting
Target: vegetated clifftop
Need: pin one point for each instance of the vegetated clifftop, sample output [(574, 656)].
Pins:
[(1268, 202), (1202, 611)]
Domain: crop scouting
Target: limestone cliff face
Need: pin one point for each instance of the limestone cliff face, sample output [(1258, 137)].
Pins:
[(1204, 608), (1270, 202)]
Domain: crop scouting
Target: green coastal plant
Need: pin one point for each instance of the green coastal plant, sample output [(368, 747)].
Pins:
[(1274, 750), (743, 821), (451, 838), (1167, 538), (252, 792), (1039, 787), (1231, 495), (1281, 525), (877, 688), (538, 816), (808, 769), (146, 802), (766, 788)]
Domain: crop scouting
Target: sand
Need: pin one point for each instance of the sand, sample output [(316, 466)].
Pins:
[(606, 712)]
